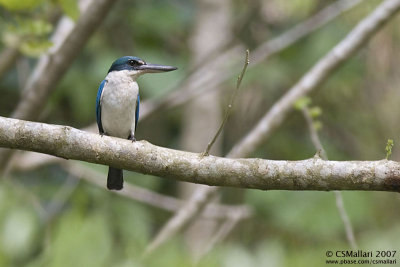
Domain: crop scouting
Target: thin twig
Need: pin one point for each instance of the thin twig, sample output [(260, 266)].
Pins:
[(221, 234), (202, 80), (313, 133), (301, 29), (319, 73), (182, 215), (316, 76), (346, 220), (229, 109), (338, 195)]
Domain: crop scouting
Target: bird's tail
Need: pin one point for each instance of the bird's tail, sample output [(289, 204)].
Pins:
[(115, 179)]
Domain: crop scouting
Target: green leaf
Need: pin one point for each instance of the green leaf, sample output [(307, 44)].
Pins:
[(35, 48), (315, 112), (31, 27), (302, 102), (29, 35)]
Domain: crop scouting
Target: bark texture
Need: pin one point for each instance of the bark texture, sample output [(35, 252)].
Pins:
[(143, 157)]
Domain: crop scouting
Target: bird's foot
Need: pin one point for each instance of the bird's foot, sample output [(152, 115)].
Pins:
[(132, 138)]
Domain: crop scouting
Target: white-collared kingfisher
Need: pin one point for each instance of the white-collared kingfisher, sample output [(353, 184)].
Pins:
[(117, 104)]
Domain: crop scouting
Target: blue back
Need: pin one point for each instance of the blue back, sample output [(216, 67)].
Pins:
[(137, 110), (98, 106)]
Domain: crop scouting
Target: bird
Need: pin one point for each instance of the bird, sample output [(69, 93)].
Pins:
[(117, 104)]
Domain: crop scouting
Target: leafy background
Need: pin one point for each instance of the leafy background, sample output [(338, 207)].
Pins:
[(93, 227)]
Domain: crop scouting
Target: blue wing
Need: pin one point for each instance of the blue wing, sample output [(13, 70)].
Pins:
[(98, 106), (137, 111)]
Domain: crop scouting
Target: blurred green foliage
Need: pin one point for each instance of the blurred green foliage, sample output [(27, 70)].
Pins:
[(20, 5), (94, 227)]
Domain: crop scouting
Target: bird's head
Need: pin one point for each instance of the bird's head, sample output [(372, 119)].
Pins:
[(134, 66)]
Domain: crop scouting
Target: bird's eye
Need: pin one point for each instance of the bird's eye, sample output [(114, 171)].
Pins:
[(133, 62)]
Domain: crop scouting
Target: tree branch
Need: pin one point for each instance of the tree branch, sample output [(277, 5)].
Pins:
[(198, 200), (279, 111), (221, 234), (204, 79), (338, 195), (181, 218), (7, 58), (143, 157), (318, 74), (146, 196), (69, 38), (53, 65)]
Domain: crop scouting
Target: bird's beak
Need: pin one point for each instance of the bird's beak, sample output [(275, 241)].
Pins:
[(154, 68)]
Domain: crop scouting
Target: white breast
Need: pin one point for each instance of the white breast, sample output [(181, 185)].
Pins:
[(118, 104)]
